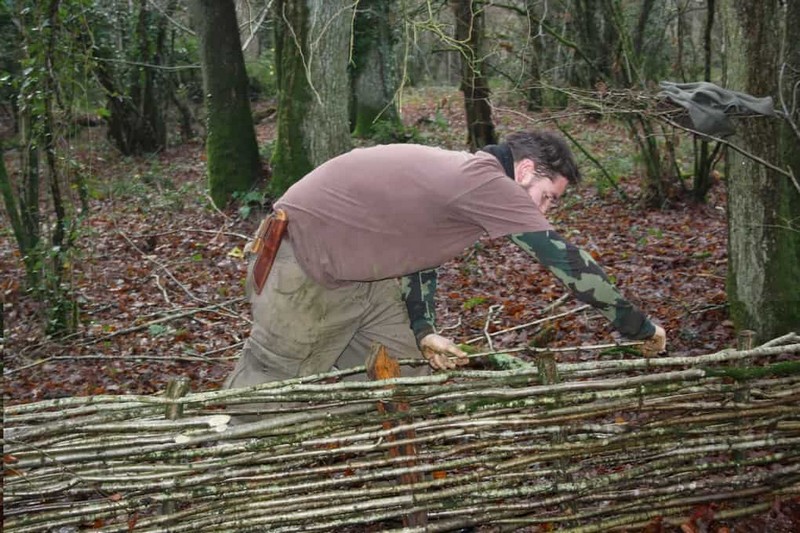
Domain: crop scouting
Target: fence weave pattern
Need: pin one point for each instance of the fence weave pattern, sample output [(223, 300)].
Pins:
[(580, 447)]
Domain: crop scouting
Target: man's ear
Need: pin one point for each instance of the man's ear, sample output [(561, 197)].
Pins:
[(525, 172)]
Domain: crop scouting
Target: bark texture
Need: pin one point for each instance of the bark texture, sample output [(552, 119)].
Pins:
[(764, 230), (469, 35), (374, 70), (312, 48), (535, 93), (231, 148)]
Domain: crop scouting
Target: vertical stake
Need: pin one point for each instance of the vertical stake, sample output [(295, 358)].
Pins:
[(548, 374), (741, 392), (176, 388), (380, 365)]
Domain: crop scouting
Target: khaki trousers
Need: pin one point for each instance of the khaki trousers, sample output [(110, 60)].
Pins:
[(301, 328)]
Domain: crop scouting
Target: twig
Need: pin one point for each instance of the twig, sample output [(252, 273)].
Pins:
[(494, 310), (174, 22), (163, 291), (252, 29), (161, 267), (609, 178), (786, 113), (454, 326), (224, 349), (529, 324), (565, 349), (551, 307), (196, 230)]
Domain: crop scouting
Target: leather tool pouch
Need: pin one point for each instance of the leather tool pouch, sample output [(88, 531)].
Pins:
[(266, 244)]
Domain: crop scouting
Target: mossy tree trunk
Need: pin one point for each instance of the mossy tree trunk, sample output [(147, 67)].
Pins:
[(374, 70), (535, 93), (231, 148), (474, 84), (763, 224), (312, 50)]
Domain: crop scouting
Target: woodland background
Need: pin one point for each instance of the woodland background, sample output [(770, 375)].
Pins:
[(143, 140)]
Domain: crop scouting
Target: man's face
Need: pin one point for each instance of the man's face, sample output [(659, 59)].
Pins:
[(544, 191)]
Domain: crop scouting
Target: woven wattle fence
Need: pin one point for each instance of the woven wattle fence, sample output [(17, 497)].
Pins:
[(576, 447)]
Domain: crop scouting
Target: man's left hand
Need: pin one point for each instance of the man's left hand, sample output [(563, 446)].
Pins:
[(655, 344), (441, 352)]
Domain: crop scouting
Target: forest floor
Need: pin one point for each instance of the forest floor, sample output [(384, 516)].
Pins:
[(158, 275)]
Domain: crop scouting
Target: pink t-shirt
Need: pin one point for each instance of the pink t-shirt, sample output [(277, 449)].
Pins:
[(390, 210)]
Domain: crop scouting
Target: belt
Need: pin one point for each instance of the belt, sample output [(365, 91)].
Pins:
[(265, 245)]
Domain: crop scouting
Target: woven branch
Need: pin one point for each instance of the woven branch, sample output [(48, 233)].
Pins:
[(618, 443)]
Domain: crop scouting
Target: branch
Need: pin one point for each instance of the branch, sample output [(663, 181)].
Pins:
[(253, 30), (174, 22), (788, 173), (529, 324)]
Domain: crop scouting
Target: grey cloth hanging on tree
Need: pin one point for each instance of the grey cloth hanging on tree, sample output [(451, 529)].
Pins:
[(710, 106)]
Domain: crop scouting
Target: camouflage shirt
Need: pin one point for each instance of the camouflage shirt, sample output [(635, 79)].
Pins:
[(572, 266)]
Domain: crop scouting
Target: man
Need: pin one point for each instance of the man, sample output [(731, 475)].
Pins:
[(367, 218)]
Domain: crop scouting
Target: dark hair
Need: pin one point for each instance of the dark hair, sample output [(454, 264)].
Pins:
[(547, 150)]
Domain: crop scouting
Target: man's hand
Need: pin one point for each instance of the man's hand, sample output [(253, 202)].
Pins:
[(655, 344), (442, 353)]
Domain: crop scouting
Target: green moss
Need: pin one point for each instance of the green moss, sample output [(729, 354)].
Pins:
[(377, 123), (231, 148), (291, 159), (233, 163), (786, 368)]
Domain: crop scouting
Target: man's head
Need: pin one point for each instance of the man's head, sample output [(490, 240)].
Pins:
[(543, 165)]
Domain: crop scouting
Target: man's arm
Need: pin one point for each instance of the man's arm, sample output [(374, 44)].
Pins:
[(418, 290), (586, 279)]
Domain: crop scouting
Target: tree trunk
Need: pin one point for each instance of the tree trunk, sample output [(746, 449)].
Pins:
[(704, 158), (312, 48), (25, 241), (231, 148), (764, 231), (535, 96), (474, 85), (374, 71)]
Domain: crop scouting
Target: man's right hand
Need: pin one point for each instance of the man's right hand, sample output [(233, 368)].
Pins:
[(655, 344), (441, 352)]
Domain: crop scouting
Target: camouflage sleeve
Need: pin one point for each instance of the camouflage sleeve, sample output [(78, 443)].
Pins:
[(587, 281), (418, 290)]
